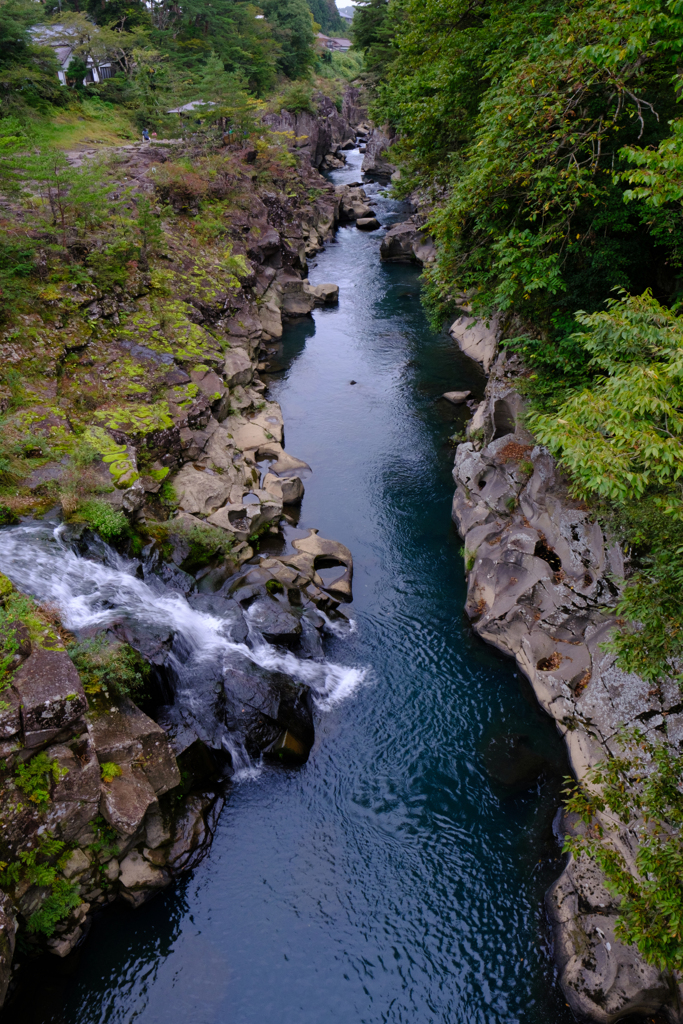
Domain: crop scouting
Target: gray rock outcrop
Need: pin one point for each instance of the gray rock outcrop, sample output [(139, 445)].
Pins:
[(541, 574), (477, 338), (375, 164), (407, 243)]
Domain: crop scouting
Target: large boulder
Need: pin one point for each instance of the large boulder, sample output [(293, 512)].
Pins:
[(51, 695), (201, 492), (375, 164), (125, 735), (477, 338), (238, 367), (407, 243)]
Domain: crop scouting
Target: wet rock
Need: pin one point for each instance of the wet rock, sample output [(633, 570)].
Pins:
[(407, 243), (603, 979), (189, 836), (456, 397), (321, 553), (367, 223), (157, 830), (62, 945), (323, 294), (274, 620), (51, 694), (375, 164)]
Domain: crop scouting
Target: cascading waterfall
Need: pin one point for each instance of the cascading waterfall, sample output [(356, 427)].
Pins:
[(98, 594)]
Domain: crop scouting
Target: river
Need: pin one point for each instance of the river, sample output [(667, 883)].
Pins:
[(391, 878)]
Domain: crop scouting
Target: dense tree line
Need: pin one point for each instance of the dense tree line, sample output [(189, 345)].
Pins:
[(257, 44)]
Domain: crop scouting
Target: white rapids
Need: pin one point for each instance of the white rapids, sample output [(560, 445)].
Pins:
[(89, 594)]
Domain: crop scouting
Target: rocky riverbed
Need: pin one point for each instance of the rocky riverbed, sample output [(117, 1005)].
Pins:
[(160, 377)]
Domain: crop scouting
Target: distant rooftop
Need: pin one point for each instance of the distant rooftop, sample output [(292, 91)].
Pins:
[(334, 42), (347, 13)]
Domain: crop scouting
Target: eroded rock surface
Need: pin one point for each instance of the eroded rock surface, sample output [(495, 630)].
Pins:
[(541, 578)]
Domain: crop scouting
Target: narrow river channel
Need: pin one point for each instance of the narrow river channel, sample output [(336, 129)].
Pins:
[(397, 876)]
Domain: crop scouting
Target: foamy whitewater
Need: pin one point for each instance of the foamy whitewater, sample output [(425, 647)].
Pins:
[(38, 560)]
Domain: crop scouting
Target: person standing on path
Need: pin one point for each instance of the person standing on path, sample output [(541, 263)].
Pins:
[(145, 135)]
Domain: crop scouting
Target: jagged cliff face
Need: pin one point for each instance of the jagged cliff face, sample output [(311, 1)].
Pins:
[(541, 580), (156, 377)]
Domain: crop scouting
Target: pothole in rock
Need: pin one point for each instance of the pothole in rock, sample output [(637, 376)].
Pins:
[(544, 551)]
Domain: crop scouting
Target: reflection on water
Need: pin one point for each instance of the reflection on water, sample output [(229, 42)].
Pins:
[(393, 878)]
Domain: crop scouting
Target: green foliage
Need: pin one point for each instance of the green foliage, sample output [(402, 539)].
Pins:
[(109, 522), (168, 495), (640, 789), (293, 29), (297, 99), (35, 777), (374, 31), (62, 900), (327, 16), (624, 435), (110, 771), (35, 867), (274, 587), (105, 838), (520, 121), (109, 667)]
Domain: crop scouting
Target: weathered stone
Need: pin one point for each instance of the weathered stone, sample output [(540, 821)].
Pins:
[(125, 800), (111, 870), (537, 589), (77, 863), (456, 397), (51, 694), (328, 553), (289, 489), (189, 833), (62, 945), (238, 368), (375, 163), (478, 339), (124, 734), (137, 873), (201, 492), (368, 223)]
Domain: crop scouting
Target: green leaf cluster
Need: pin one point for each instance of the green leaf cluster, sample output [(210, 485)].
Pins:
[(639, 789), (35, 778)]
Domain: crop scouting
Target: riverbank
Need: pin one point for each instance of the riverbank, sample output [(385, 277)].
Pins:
[(542, 578), (135, 414), (396, 872)]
